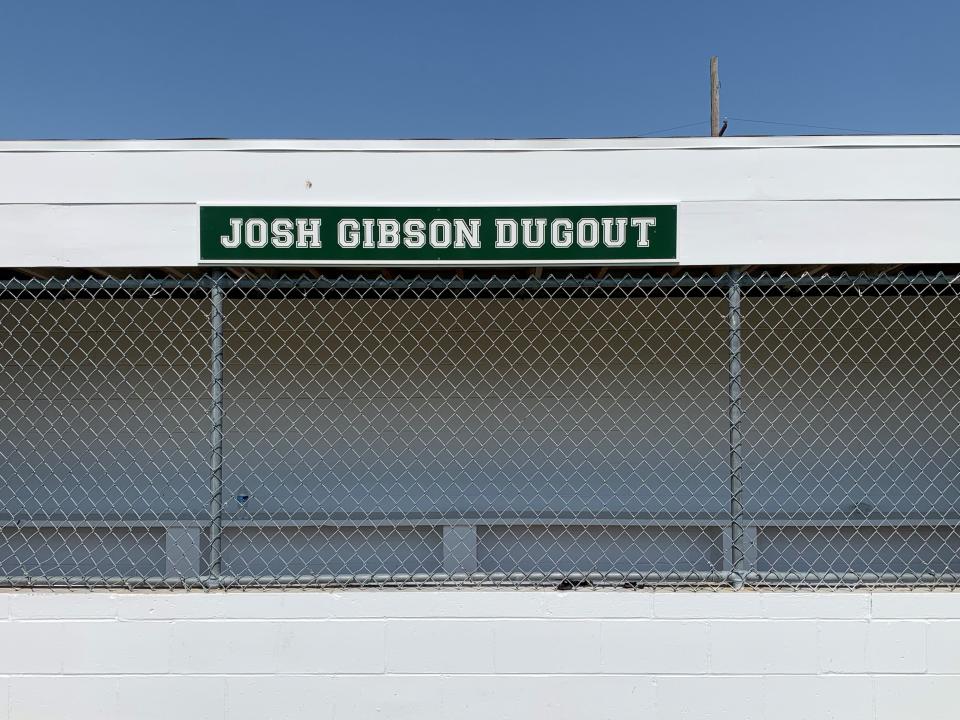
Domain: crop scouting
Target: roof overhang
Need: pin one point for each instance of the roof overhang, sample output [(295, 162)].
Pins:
[(842, 200)]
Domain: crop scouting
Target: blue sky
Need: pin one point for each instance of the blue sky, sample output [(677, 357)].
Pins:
[(481, 69)]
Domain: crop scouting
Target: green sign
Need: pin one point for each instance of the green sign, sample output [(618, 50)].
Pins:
[(540, 235)]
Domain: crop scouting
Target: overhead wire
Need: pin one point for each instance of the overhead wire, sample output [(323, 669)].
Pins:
[(649, 133), (805, 125)]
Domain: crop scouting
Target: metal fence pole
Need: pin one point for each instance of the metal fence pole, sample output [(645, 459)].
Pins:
[(216, 423), (734, 418)]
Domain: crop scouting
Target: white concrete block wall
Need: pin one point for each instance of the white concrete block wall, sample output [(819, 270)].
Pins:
[(479, 654)]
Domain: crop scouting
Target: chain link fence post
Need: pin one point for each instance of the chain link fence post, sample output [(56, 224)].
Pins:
[(216, 424), (735, 436)]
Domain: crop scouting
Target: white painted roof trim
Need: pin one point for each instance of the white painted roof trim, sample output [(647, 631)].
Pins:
[(552, 145)]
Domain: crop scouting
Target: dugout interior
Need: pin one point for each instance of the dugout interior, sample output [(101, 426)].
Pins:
[(524, 427)]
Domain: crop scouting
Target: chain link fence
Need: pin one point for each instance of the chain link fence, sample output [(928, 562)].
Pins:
[(686, 430)]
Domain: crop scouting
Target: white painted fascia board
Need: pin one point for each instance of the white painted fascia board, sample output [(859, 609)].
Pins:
[(491, 145)]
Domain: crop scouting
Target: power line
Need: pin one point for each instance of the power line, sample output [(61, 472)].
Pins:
[(649, 133), (676, 127), (804, 125)]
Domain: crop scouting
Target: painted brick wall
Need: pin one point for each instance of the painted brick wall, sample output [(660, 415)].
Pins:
[(479, 654)]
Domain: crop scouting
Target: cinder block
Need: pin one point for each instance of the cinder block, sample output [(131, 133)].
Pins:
[(30, 647), (219, 605), (763, 646), (568, 697), (237, 646), (926, 697), (4, 698), (5, 604), (312, 605), (62, 605), (813, 697), (821, 605), (654, 646), (943, 646), (193, 605), (842, 646), (385, 696), (356, 604), (252, 697), (696, 697), (92, 697), (83, 646), (699, 605), (440, 646), (112, 647), (547, 646), (427, 604), (224, 647), (161, 697), (599, 604), (276, 605), (906, 605), (482, 603), (330, 646), (896, 646), (363, 604)]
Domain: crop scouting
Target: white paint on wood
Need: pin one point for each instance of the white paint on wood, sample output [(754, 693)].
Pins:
[(828, 232), (469, 145), (428, 177), (742, 201), (709, 233), (98, 235)]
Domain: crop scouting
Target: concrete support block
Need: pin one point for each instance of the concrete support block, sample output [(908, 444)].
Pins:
[(183, 552), (459, 548)]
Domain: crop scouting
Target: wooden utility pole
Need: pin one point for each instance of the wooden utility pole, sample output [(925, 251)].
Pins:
[(714, 98)]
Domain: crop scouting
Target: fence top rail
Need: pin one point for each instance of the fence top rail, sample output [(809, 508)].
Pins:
[(563, 580)]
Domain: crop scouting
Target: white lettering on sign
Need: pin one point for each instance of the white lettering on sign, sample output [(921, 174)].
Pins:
[(414, 235), (539, 236), (308, 233), (608, 238), (255, 233), (561, 233), (506, 233), (281, 232), (643, 240), (348, 233), (466, 236), (460, 233), (389, 234), (439, 231)]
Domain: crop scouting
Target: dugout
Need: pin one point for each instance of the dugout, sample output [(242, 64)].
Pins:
[(764, 394)]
